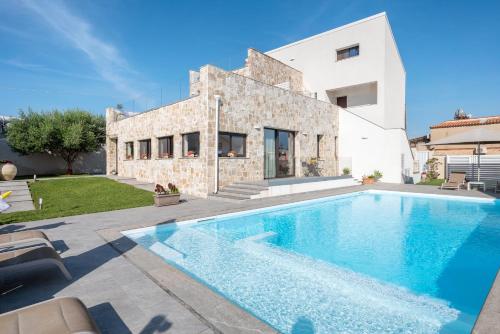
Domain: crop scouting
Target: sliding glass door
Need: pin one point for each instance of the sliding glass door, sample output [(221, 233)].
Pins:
[(279, 159), (269, 153)]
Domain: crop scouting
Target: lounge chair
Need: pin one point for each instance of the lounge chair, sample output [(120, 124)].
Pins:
[(28, 258), (54, 316), (455, 181), (497, 187), (23, 237)]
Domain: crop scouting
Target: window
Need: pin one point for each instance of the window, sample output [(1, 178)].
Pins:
[(348, 52), (129, 150), (319, 146), (145, 149), (166, 147), (342, 101), (191, 144), (232, 144)]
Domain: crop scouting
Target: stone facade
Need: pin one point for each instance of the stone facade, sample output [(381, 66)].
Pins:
[(250, 102)]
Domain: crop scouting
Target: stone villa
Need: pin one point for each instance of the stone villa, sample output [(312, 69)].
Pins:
[(278, 116)]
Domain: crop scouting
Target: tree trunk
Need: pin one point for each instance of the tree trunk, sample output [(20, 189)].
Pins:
[(70, 158), (69, 168)]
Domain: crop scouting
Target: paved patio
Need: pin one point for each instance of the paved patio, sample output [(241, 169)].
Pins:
[(121, 297)]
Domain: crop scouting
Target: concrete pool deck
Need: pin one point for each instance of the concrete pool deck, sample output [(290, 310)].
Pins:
[(153, 297)]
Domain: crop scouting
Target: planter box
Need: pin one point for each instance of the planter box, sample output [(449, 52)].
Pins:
[(168, 199), (368, 181)]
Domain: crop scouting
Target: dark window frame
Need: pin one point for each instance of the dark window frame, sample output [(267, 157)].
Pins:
[(184, 153), (231, 135), (341, 104), (131, 144), (319, 140), (348, 52), (170, 147), (148, 151)]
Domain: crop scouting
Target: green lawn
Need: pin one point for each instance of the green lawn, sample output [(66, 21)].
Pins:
[(75, 196), (435, 182)]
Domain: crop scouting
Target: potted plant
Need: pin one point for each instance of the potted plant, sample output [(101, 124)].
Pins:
[(168, 196), (232, 154), (346, 171), (8, 170), (370, 179)]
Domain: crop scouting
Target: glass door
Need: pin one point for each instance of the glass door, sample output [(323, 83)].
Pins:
[(279, 160), (269, 153), (285, 154)]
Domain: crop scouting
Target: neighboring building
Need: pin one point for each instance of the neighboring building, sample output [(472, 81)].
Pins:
[(423, 151), (277, 116), (449, 128)]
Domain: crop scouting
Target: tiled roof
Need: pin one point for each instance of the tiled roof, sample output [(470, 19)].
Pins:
[(468, 122)]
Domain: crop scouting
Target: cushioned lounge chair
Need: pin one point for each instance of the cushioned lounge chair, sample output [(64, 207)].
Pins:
[(23, 237), (455, 181), (55, 316), (30, 258)]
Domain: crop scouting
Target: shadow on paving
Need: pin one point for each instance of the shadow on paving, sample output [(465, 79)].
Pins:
[(19, 227), (27, 289), (108, 320)]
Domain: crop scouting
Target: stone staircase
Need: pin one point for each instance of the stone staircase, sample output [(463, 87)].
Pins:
[(134, 182), (241, 190)]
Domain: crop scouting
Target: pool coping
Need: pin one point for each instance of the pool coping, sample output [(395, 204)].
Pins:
[(222, 315), (215, 311)]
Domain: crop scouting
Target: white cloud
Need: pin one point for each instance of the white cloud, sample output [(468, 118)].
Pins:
[(108, 61)]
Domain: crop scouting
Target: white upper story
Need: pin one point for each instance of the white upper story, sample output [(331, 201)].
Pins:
[(356, 66)]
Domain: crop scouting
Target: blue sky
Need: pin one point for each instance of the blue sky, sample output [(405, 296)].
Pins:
[(93, 54)]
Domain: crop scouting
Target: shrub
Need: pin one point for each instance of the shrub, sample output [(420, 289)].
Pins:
[(377, 175), (432, 168), (346, 171)]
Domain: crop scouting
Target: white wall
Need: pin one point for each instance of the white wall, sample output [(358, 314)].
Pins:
[(395, 81), (377, 139), (316, 57), (371, 148)]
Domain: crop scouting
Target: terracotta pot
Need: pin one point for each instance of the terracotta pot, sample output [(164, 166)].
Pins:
[(8, 171), (368, 180), (168, 199)]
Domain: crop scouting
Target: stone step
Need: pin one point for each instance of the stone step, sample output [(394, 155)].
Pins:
[(233, 195), (224, 199), (238, 190), (250, 186)]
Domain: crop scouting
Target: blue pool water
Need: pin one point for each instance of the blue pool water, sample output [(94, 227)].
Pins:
[(371, 262)]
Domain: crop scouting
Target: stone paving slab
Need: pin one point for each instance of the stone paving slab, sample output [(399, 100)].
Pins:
[(20, 199)]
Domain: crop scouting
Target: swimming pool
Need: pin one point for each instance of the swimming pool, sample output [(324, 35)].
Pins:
[(359, 263)]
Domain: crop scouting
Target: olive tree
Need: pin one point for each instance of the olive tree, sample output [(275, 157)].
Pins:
[(66, 134)]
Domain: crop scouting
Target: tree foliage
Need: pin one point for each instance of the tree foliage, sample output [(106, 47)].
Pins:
[(66, 134)]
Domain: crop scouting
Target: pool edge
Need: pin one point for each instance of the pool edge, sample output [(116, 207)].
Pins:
[(215, 311)]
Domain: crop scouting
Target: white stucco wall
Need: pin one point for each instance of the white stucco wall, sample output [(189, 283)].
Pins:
[(377, 139), (365, 147), (316, 57)]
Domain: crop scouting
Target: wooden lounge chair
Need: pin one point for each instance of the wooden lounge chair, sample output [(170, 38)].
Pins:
[(23, 237), (455, 181), (55, 316), (30, 258)]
